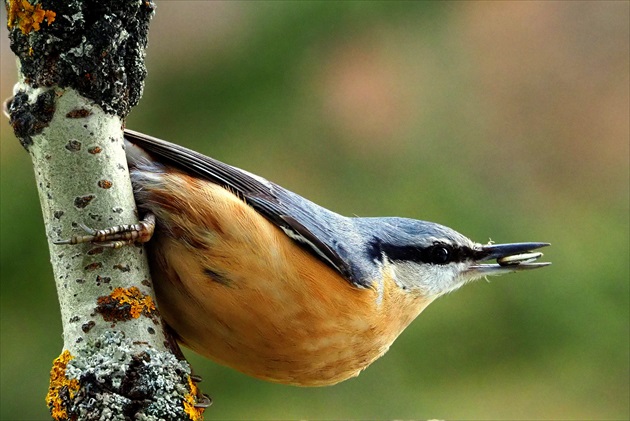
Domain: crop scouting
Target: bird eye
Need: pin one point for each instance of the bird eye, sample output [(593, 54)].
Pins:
[(440, 255)]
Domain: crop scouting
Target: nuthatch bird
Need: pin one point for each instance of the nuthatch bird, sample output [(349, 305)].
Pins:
[(257, 278)]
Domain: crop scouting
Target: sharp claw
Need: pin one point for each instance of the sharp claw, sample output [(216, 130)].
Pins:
[(87, 229)]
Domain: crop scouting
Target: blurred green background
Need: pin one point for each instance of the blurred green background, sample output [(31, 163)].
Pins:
[(503, 120)]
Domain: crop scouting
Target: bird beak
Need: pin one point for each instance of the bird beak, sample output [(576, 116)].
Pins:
[(510, 258)]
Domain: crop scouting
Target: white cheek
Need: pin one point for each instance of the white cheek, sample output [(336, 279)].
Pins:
[(431, 280)]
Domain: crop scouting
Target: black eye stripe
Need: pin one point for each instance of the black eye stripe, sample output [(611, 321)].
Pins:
[(437, 253)]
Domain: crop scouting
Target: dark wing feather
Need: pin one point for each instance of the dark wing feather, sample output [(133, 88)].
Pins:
[(302, 220)]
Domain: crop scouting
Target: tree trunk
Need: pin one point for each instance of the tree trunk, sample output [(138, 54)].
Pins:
[(81, 69)]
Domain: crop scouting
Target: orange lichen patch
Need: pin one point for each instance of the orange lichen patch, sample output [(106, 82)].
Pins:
[(27, 16), (194, 413), (125, 304), (61, 390)]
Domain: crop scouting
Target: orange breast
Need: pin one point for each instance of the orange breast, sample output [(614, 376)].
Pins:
[(237, 290)]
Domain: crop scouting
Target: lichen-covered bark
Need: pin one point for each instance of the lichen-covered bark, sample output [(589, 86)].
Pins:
[(96, 47), (81, 69)]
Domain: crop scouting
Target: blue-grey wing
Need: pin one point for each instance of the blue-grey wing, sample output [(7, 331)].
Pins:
[(312, 226)]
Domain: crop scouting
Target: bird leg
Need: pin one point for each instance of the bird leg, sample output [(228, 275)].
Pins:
[(117, 236)]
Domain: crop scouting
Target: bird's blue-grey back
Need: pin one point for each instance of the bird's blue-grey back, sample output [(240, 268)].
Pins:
[(333, 238)]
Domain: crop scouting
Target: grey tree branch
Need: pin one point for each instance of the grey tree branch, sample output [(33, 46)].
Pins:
[(81, 69)]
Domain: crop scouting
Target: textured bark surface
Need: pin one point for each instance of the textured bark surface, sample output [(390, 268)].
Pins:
[(81, 69)]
